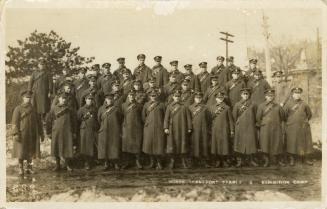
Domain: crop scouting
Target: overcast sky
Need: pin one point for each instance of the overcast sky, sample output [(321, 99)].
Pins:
[(189, 33)]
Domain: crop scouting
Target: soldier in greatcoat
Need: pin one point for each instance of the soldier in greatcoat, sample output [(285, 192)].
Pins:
[(41, 84), (230, 67), (92, 89), (160, 72), (62, 128), (298, 131), (142, 72), (187, 96), (66, 88), (270, 117), (104, 82), (110, 132), (175, 70), (204, 77), (245, 140), (118, 95), (26, 131), (220, 71), (249, 74), (88, 129), (81, 84), (200, 139), (126, 85), (140, 95), (282, 87), (132, 128), (222, 130), (152, 86), (194, 80), (118, 73), (210, 94), (258, 87), (170, 88), (61, 79), (178, 127), (233, 87), (153, 115)]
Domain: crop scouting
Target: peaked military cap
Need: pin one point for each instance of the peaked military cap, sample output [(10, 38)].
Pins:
[(157, 58), (188, 66), (177, 93), (106, 65), (230, 59), (109, 96), (270, 91), (121, 60), (198, 94), (26, 93), (174, 63), (221, 58), (89, 96), (236, 71), (141, 56), (253, 60), (278, 73), (220, 95), (297, 90), (203, 64), (248, 90)]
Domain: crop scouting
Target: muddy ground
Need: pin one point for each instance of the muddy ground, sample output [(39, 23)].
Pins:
[(301, 182)]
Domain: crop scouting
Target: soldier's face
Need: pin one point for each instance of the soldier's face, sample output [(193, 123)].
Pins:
[(131, 97), (270, 98), (229, 63), (62, 100), (220, 62), (141, 61), (219, 100), (92, 83), (198, 100), (106, 70), (203, 69), (81, 75), (252, 65), (279, 78), (125, 76), (172, 79), (158, 62), (214, 82), (296, 96), (256, 76), (245, 95), (40, 66), (88, 101), (174, 67), (109, 101), (115, 88), (235, 76), (152, 97), (67, 89), (137, 86), (26, 99), (64, 72), (176, 98), (185, 86), (121, 64), (151, 84)]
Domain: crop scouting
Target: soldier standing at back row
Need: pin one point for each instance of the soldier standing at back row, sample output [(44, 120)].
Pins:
[(258, 87), (26, 131), (220, 71), (41, 84), (210, 95), (119, 72), (283, 88), (142, 72), (194, 81), (104, 82), (175, 70), (252, 68), (187, 97), (230, 67), (298, 131), (159, 72), (81, 84), (233, 87), (170, 88), (204, 77)]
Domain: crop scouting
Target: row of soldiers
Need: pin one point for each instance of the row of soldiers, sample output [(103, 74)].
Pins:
[(217, 116)]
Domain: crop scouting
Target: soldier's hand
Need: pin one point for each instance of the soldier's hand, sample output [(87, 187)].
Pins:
[(282, 104), (189, 131), (167, 131), (232, 133)]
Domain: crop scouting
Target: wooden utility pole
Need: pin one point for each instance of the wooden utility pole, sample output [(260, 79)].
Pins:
[(266, 34), (318, 50), (227, 35)]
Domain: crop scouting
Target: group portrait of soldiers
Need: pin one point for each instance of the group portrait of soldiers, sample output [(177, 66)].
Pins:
[(153, 118)]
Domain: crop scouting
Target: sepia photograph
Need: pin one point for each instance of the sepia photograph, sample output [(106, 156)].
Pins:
[(163, 101)]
